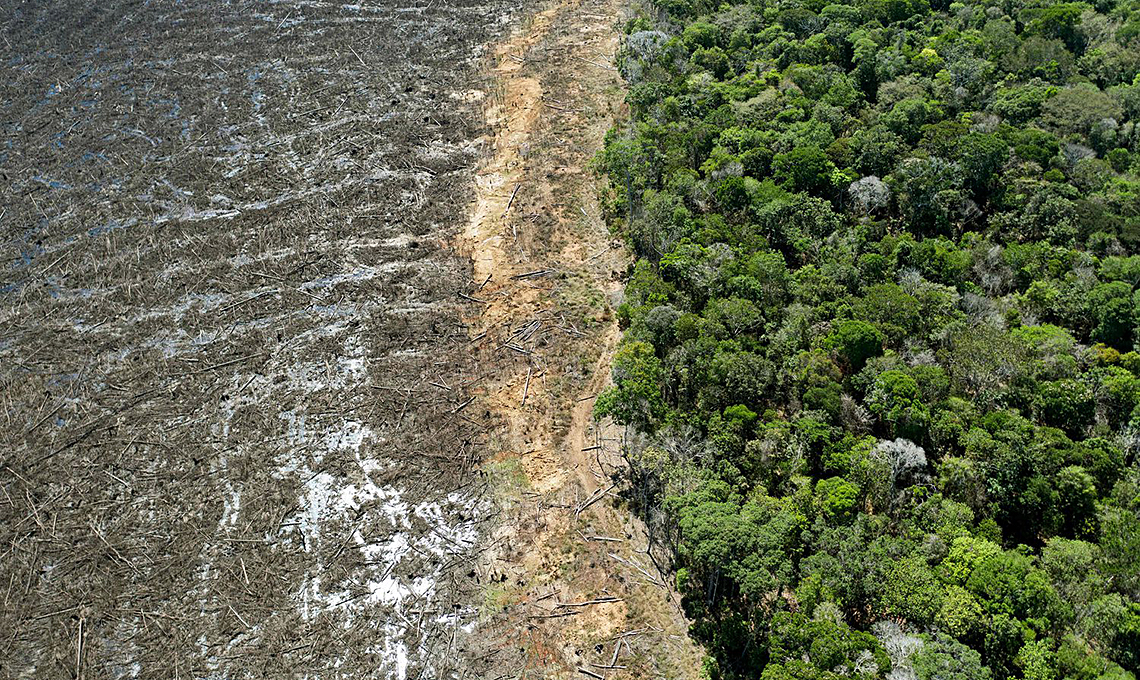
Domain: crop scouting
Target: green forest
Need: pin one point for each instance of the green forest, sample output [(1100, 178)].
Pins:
[(879, 364)]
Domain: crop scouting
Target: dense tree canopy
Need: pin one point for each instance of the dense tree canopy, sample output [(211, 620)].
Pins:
[(881, 334)]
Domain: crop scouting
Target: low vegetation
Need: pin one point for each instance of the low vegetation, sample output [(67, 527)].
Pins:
[(880, 334)]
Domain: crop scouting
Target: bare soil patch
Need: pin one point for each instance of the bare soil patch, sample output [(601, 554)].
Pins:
[(569, 588)]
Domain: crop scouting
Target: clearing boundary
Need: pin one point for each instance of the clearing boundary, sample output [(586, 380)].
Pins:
[(568, 587)]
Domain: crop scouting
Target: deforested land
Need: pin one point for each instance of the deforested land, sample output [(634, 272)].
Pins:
[(230, 334)]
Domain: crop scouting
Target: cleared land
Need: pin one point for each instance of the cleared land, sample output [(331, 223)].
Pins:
[(232, 354), (569, 587)]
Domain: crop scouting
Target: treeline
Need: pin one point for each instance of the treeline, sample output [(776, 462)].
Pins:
[(880, 334)]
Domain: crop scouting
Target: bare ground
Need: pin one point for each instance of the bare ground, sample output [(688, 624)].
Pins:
[(569, 587)]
